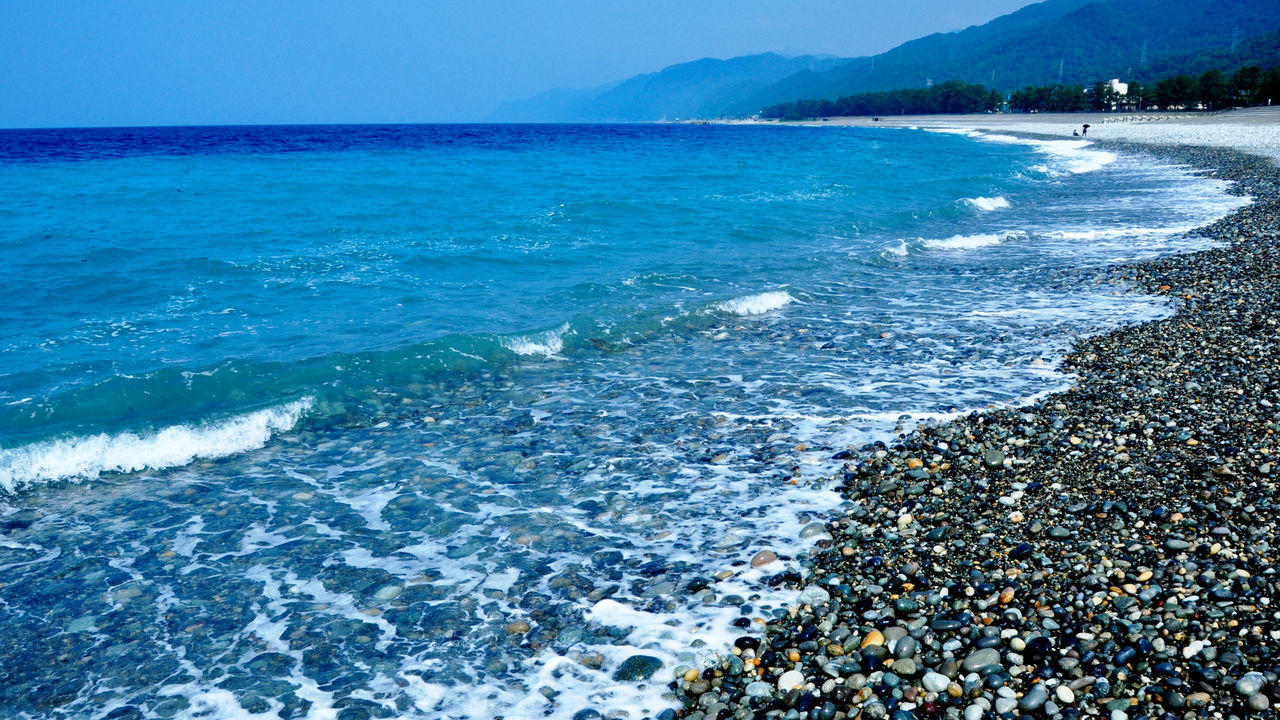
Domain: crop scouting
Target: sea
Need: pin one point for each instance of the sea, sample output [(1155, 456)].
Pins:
[(495, 421)]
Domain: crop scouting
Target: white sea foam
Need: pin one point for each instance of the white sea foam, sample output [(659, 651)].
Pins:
[(1074, 156), (1124, 232), (969, 242), (547, 343), (757, 304), (987, 204), (899, 250), (87, 457)]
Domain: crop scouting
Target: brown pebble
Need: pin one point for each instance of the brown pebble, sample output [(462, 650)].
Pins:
[(764, 557)]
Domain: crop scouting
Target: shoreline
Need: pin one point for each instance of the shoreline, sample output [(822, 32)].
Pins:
[(1106, 550), (1253, 131)]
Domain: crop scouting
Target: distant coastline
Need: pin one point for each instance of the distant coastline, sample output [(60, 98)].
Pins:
[(1255, 131)]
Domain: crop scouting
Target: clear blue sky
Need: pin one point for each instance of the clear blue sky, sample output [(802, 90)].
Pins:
[(162, 62)]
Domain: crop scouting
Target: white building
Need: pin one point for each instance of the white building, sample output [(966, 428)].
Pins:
[(1118, 87)]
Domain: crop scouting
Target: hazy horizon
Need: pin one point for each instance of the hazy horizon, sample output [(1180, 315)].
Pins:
[(148, 62)]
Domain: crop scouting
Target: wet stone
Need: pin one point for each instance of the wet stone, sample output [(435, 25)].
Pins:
[(637, 667), (935, 682), (980, 659), (1034, 699), (1251, 684), (814, 595)]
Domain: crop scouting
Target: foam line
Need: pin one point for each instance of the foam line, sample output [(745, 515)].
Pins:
[(87, 457)]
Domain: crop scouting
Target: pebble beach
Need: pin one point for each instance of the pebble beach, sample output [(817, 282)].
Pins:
[(1105, 552)]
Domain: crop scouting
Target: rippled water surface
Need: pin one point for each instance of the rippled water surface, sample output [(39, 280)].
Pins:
[(418, 421)]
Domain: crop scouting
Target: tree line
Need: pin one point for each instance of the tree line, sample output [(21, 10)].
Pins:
[(952, 97), (1213, 90)]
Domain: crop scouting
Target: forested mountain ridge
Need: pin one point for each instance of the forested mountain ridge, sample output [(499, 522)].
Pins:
[(1057, 41)]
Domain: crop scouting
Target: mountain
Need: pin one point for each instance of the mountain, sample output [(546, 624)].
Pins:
[(1261, 50), (688, 90), (1064, 41), (1068, 41)]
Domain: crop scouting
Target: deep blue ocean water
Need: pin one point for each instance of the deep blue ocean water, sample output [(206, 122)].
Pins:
[(313, 421)]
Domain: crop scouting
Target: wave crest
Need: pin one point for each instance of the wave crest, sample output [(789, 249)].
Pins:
[(87, 457), (969, 242), (547, 343), (987, 204), (757, 304)]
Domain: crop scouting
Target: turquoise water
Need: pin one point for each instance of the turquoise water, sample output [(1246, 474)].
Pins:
[(307, 422)]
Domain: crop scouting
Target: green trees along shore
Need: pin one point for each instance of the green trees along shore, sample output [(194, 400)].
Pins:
[(1213, 90)]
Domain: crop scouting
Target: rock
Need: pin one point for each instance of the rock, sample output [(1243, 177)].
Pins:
[(1259, 702), (1065, 695), (1198, 700), (637, 667), (758, 689), (905, 667), (1251, 684), (973, 712), (980, 659), (905, 648), (993, 459), (1035, 698), (935, 682), (814, 595), (762, 558), (791, 680), (874, 711), (518, 627)]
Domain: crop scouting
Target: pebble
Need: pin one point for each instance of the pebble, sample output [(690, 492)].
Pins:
[(980, 659), (935, 682), (637, 667), (758, 689), (1034, 699), (1251, 684), (791, 679), (814, 595)]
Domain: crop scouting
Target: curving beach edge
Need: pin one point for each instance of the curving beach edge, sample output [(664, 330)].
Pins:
[(1106, 552)]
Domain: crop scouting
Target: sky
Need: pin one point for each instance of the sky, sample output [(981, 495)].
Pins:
[(86, 63)]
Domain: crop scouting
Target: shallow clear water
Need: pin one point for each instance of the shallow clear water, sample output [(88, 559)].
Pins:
[(310, 422)]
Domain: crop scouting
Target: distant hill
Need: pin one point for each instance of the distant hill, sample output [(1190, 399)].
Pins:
[(1261, 50), (689, 90), (1072, 41)]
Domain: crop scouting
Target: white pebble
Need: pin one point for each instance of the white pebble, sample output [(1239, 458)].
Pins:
[(790, 680)]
